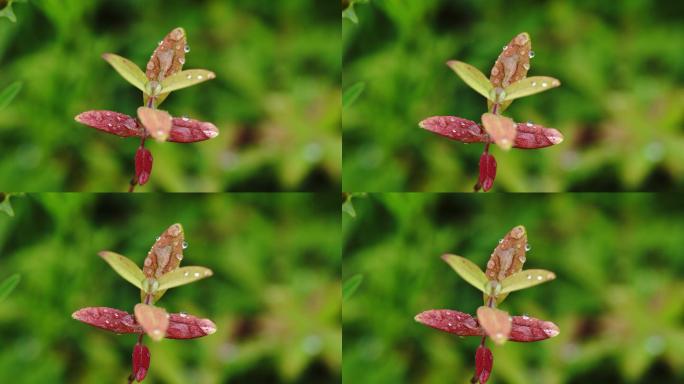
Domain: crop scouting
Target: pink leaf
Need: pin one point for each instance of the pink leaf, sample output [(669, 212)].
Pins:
[(487, 171), (185, 130), (447, 320), (483, 363), (110, 319), (143, 165), (141, 362), (184, 326), (455, 128), (526, 329), (111, 122), (530, 136)]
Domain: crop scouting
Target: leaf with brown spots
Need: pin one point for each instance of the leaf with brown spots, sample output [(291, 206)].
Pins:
[(169, 56), (495, 322), (166, 253), (154, 320), (508, 257), (513, 62)]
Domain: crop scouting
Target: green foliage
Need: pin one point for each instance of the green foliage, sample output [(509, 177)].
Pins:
[(7, 11), (618, 262), (621, 67), (8, 285), (9, 93), (348, 10), (352, 93), (5, 204), (275, 99), (275, 295), (350, 286)]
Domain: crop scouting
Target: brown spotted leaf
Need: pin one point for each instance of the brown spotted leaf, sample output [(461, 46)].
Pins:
[(501, 129), (109, 319), (508, 257), (154, 320), (184, 326), (166, 253), (513, 62), (157, 122), (455, 128), (526, 329), (531, 136), (111, 122), (447, 320), (495, 322), (186, 130), (169, 56)]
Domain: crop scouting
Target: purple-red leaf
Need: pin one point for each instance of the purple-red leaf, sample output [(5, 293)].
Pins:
[(487, 171), (186, 130), (526, 329), (143, 165), (455, 128), (109, 319), (111, 122), (483, 364), (531, 136), (141, 362), (447, 320), (184, 326)]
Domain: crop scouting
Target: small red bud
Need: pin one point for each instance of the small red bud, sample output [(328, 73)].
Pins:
[(143, 165), (484, 361), (141, 362), (487, 171)]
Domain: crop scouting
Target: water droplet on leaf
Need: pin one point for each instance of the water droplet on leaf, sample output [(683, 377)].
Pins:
[(531, 54)]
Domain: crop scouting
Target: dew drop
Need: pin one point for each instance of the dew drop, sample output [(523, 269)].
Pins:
[(185, 245), (504, 47), (527, 246), (197, 274), (534, 83), (183, 314), (160, 42), (531, 54), (529, 123), (500, 241), (189, 77), (185, 118), (529, 277), (109, 125), (545, 84), (449, 324), (199, 77), (107, 322), (525, 317), (540, 278), (186, 274), (186, 48), (158, 237)]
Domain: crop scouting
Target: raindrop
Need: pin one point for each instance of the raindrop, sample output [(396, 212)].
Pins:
[(453, 131), (500, 241), (158, 237), (528, 247), (544, 84), (199, 77), (504, 47), (197, 274), (525, 317), (529, 277), (185, 118), (529, 123), (185, 245), (531, 54), (540, 278), (186, 48), (160, 42), (109, 125), (107, 322), (186, 274), (534, 83), (183, 314), (189, 77), (449, 324)]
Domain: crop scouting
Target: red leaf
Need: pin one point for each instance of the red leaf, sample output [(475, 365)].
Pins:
[(532, 136), (185, 130), (487, 171), (141, 362), (483, 363), (526, 329), (184, 326), (509, 255), (455, 128), (166, 253), (143, 165), (111, 122), (109, 319), (446, 320)]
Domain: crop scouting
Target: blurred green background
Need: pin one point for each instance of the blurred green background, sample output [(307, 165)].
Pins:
[(275, 293), (621, 66), (276, 98), (617, 296)]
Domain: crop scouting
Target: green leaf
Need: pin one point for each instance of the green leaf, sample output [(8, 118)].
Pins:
[(8, 285), (125, 267), (350, 286), (525, 279), (530, 86), (186, 79), (9, 93), (352, 93), (128, 70), (182, 276), (473, 77), (468, 271)]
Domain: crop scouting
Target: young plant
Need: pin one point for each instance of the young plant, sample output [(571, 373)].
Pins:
[(507, 81), (160, 272), (504, 275), (164, 75)]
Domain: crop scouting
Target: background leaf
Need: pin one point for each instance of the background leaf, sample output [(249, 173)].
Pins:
[(8, 285), (352, 93), (350, 286), (9, 93)]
